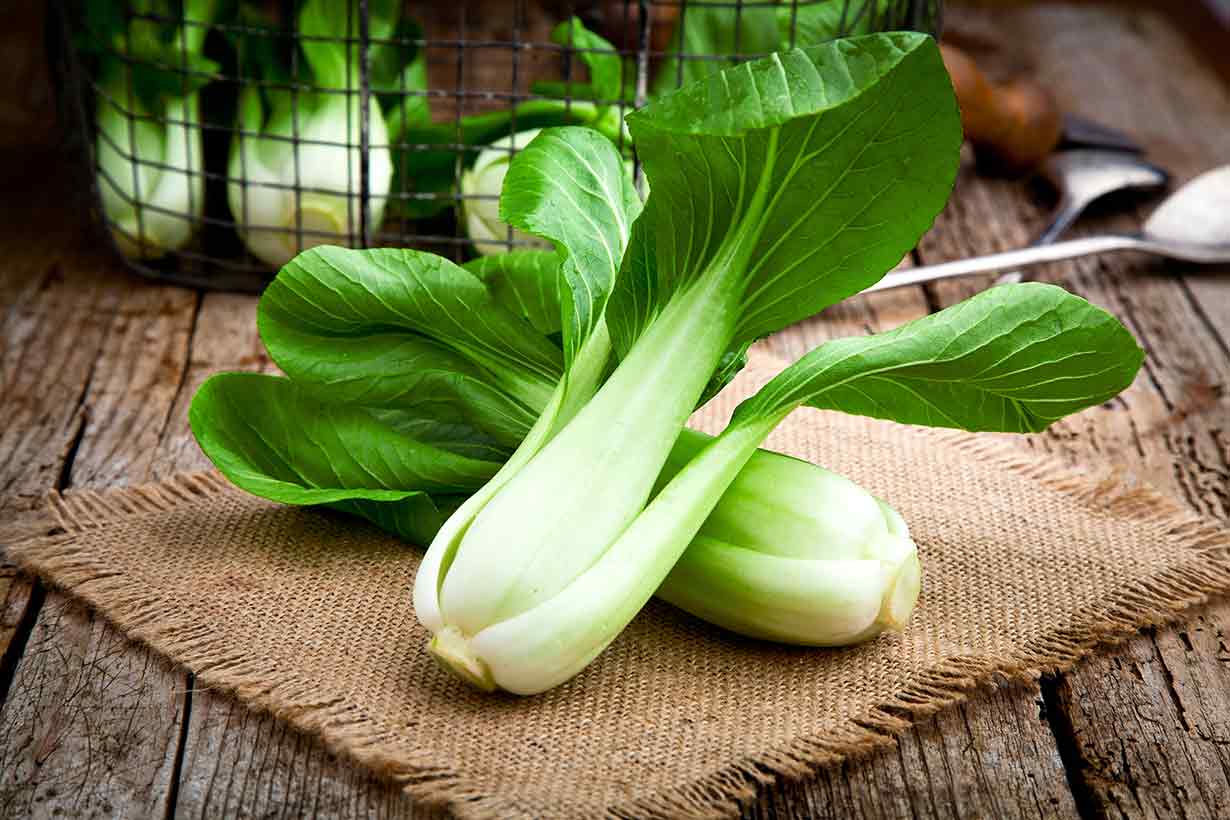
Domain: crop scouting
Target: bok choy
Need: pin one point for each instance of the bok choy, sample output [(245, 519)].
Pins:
[(480, 192), (428, 398), (150, 169), (779, 187), (595, 103), (296, 161)]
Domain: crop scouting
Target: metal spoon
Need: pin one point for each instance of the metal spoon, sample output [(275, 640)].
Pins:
[(1192, 224), (1084, 176)]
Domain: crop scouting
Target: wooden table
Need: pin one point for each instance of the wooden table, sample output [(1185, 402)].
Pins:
[(98, 368)]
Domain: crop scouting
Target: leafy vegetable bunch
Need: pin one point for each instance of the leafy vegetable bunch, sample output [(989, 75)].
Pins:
[(707, 38), (525, 413), (296, 160)]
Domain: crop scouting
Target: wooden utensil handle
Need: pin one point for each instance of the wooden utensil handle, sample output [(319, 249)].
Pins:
[(1014, 124)]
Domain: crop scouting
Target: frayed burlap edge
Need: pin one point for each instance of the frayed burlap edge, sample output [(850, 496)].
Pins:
[(347, 731)]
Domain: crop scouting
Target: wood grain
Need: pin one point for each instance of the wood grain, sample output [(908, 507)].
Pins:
[(992, 757), (91, 726), (44, 370), (1123, 718), (241, 764), (1151, 723)]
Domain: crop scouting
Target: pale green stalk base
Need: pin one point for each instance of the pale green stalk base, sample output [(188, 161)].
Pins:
[(480, 204), (826, 602), (566, 507), (833, 572), (902, 597), (545, 646), (568, 397), (453, 652), (158, 212)]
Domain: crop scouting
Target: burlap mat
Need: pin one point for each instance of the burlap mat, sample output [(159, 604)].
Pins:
[(1027, 566)]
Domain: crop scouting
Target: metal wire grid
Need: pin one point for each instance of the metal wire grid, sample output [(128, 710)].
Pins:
[(482, 55)]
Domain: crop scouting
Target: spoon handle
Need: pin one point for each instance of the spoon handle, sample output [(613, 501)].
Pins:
[(1065, 214), (1024, 257)]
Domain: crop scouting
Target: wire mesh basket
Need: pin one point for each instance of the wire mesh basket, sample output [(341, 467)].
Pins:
[(225, 139)]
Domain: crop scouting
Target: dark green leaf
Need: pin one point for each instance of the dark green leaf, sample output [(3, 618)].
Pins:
[(1014, 358), (397, 64), (565, 90), (525, 282), (571, 186), (823, 166), (606, 79), (273, 439), (814, 23), (400, 370), (340, 318), (709, 38), (324, 29), (404, 100), (439, 426)]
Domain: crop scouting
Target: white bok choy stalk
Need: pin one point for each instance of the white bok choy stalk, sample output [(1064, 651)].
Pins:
[(148, 130), (296, 162), (795, 553), (779, 187)]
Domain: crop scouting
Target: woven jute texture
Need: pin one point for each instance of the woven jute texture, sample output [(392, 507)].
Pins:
[(1027, 566)]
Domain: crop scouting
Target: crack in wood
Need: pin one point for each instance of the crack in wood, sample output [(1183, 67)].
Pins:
[(1214, 331), (1069, 752), (16, 645), (177, 767)]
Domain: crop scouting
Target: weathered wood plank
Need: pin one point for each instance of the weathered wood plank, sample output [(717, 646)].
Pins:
[(44, 371), (224, 338), (1142, 725), (238, 763), (83, 730), (993, 757), (1151, 723), (91, 726)]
